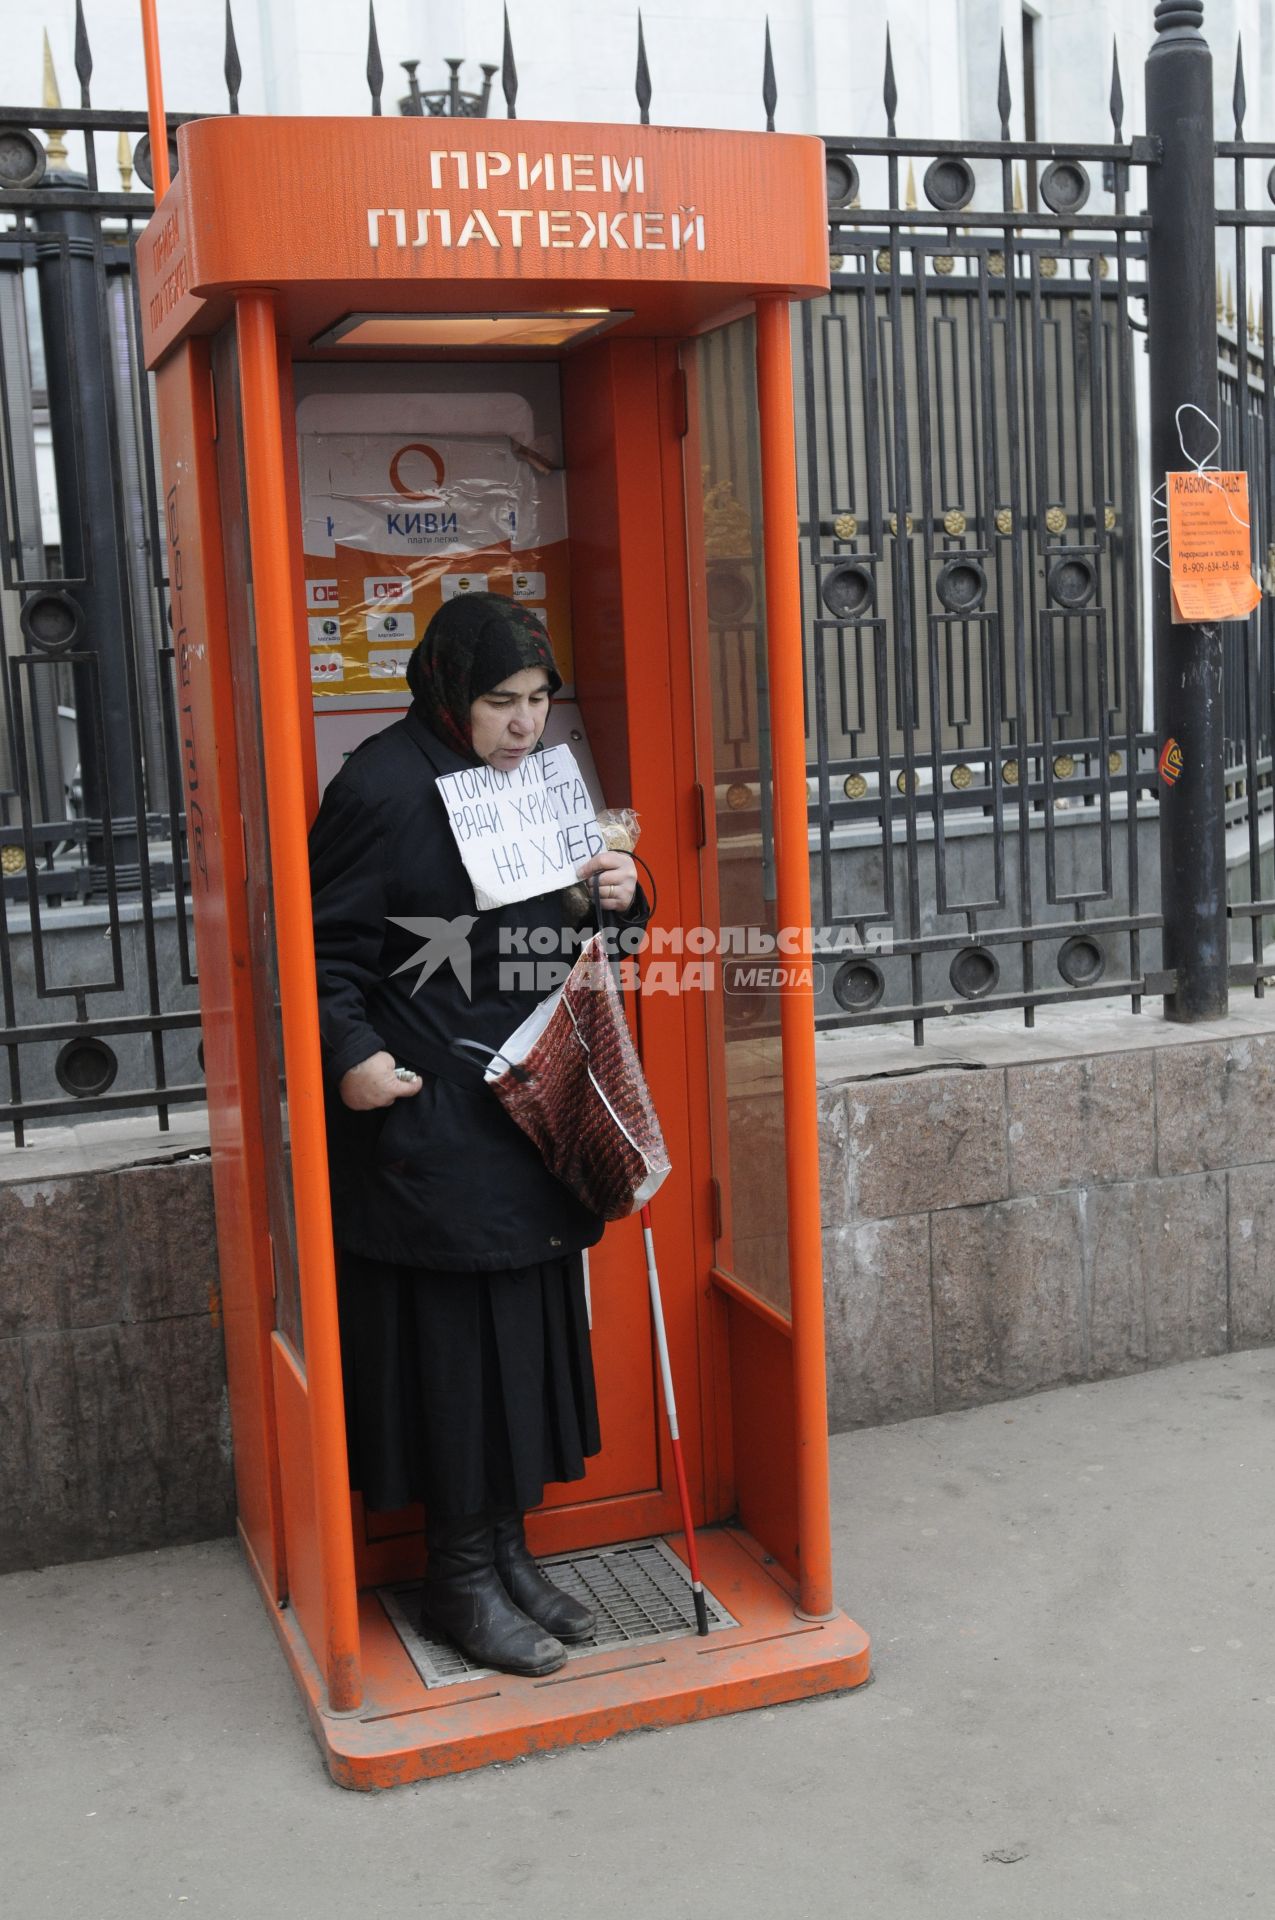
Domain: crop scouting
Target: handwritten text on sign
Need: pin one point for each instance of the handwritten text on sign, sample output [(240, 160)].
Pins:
[(523, 831), (1210, 570)]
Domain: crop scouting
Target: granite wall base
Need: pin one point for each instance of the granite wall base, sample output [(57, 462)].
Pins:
[(993, 1231), (989, 1230), (114, 1417)]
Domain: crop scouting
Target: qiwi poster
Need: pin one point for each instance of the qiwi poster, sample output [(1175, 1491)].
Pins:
[(396, 523)]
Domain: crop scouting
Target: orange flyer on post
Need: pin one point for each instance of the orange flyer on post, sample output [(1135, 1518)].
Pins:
[(1210, 565)]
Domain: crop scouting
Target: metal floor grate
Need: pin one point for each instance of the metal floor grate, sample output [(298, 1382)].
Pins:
[(640, 1592)]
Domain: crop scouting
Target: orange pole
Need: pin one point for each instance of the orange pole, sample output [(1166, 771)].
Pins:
[(155, 100), (274, 620), (784, 651)]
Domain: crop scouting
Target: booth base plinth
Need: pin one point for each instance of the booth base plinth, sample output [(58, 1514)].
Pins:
[(404, 1731)]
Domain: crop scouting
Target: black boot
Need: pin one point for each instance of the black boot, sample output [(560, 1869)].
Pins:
[(464, 1598), (526, 1584)]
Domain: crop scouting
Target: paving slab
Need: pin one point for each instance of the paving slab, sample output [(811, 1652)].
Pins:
[(1070, 1598)]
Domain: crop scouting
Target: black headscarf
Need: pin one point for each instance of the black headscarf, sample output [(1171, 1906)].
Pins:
[(473, 643)]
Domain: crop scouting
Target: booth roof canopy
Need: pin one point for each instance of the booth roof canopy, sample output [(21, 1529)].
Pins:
[(680, 228)]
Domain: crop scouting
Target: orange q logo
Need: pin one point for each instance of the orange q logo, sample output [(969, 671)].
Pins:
[(400, 486)]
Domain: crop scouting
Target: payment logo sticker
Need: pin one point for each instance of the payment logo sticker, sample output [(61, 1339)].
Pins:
[(454, 583), (392, 586), (397, 627), (387, 663)]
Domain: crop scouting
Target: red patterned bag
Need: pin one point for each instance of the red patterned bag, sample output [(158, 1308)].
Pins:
[(571, 1079)]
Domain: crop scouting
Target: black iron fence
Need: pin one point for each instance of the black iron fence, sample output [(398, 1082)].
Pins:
[(977, 478), (98, 998), (974, 479), (973, 595)]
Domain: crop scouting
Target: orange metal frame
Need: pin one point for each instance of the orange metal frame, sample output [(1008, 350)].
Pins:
[(158, 126), (205, 268), (784, 653)]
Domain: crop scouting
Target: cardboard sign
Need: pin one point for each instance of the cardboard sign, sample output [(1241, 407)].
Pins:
[(1210, 565), (525, 831)]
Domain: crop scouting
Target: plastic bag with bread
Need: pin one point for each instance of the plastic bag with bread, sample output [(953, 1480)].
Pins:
[(620, 829)]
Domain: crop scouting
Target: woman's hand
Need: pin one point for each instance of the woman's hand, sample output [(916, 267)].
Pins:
[(375, 1083), (617, 879)]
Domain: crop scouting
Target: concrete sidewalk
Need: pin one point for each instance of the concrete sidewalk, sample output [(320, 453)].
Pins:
[(1072, 1603)]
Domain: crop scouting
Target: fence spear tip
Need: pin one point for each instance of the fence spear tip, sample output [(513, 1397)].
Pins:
[(231, 67), (1117, 92), (375, 70), (508, 72), (769, 89), (83, 54), (642, 86)]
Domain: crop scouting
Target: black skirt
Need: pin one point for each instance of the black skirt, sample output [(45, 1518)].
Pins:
[(468, 1391)]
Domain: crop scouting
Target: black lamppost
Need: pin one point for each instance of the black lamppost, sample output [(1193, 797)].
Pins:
[(1184, 394), (70, 269)]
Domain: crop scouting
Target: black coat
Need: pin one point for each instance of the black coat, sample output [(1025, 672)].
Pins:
[(441, 1179)]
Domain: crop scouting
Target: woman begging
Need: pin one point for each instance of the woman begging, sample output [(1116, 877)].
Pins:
[(464, 1332)]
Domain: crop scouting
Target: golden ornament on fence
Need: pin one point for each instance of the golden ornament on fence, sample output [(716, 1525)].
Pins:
[(855, 786), (962, 777), (845, 526), (55, 145), (1056, 519), (954, 521)]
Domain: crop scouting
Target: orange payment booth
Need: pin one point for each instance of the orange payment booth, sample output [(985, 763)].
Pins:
[(398, 360)]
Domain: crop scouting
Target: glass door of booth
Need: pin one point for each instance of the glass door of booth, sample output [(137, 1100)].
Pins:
[(729, 623)]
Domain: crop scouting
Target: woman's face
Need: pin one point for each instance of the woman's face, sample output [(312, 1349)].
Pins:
[(506, 723)]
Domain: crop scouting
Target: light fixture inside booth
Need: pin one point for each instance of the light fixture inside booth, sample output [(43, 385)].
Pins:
[(565, 327)]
